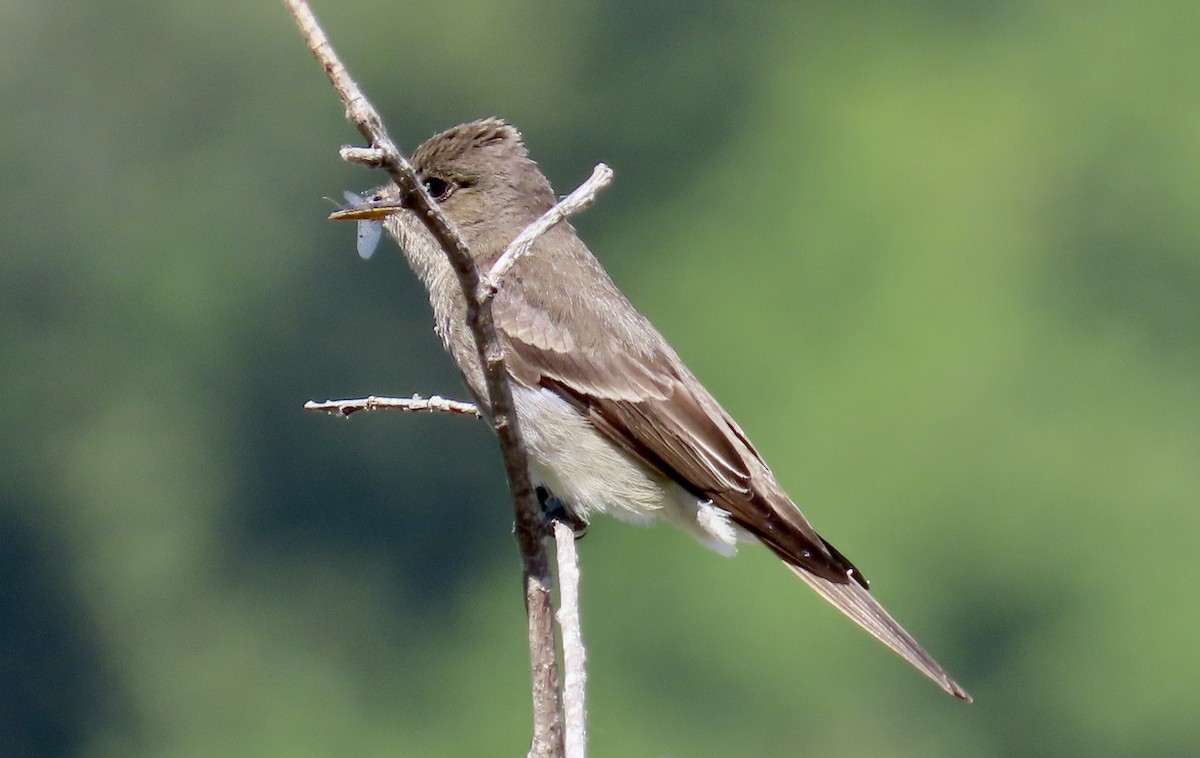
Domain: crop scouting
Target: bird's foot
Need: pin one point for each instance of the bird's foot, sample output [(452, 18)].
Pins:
[(554, 509)]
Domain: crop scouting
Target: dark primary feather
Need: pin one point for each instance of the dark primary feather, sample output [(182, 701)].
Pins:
[(620, 372), (858, 604)]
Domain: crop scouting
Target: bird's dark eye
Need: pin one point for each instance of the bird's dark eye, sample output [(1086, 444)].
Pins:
[(438, 188)]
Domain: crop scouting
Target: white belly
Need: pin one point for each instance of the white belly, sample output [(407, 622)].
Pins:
[(592, 475)]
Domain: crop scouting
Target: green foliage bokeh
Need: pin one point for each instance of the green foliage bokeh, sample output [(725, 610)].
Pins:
[(942, 261)]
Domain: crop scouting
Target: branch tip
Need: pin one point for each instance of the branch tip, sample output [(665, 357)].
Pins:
[(373, 157)]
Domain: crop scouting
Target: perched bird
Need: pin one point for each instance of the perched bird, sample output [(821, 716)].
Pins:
[(614, 422)]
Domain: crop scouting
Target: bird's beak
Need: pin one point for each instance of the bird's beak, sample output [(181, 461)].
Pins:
[(376, 210)]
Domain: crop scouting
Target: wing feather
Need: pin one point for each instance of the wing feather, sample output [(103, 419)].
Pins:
[(635, 390)]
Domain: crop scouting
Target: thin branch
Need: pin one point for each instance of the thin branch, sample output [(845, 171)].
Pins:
[(574, 657), (414, 404), (547, 724), (364, 156), (583, 196)]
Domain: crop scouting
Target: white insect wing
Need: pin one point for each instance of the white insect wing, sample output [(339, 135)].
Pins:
[(369, 231)]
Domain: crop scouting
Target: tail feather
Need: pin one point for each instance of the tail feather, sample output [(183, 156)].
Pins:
[(856, 602)]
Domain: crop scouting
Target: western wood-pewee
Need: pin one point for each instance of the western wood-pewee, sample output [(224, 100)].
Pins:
[(613, 421)]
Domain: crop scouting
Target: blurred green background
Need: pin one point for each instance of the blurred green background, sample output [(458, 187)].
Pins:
[(941, 260)]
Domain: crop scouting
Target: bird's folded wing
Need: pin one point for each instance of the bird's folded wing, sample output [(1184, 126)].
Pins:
[(638, 394)]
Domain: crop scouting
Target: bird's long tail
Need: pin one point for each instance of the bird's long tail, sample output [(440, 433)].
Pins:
[(856, 602)]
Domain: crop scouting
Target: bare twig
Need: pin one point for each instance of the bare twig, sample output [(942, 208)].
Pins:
[(583, 196), (414, 404), (547, 723), (364, 156), (574, 658), (574, 653)]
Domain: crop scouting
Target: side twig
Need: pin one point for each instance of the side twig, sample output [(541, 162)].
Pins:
[(583, 196), (567, 558), (414, 404), (547, 723)]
